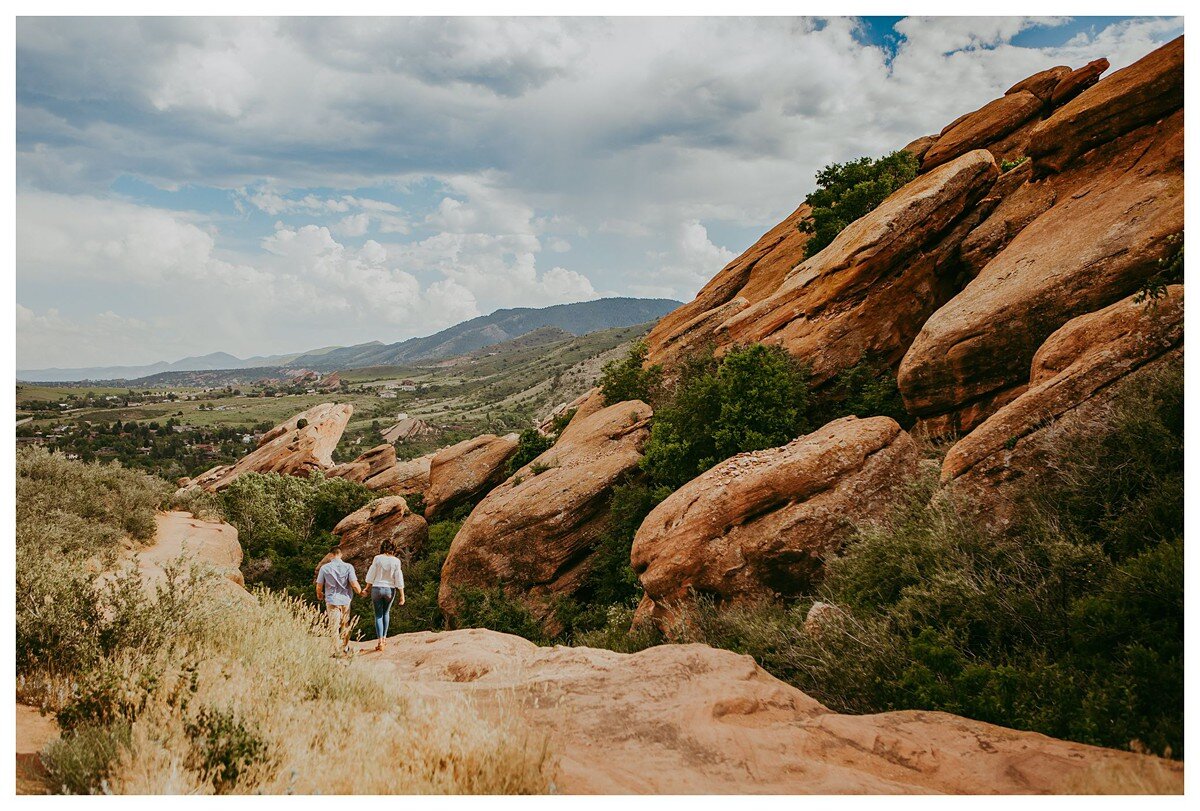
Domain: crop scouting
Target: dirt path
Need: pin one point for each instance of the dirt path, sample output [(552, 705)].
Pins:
[(179, 535), (34, 731)]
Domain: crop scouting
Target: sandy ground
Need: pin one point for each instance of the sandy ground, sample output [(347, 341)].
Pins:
[(34, 731)]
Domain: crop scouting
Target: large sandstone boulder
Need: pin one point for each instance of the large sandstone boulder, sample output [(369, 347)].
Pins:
[(1146, 91), (764, 522), (985, 126), (1042, 83), (1074, 376), (362, 531), (534, 534), (466, 471), (1083, 240), (379, 470), (748, 279), (296, 447), (1077, 81), (690, 719), (406, 428), (872, 287)]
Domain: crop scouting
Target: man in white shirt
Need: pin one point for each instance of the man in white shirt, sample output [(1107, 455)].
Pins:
[(337, 584)]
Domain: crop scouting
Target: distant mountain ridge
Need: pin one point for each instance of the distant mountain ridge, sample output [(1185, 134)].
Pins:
[(579, 318)]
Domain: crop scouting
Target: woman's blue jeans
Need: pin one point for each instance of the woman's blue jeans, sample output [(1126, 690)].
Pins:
[(381, 599)]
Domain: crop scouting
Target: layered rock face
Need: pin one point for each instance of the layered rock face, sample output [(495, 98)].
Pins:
[(1074, 377), (958, 277), (1147, 91), (750, 278), (466, 471), (869, 290), (689, 719), (288, 448), (1109, 225), (763, 523), (1057, 247), (362, 531), (379, 470), (535, 533)]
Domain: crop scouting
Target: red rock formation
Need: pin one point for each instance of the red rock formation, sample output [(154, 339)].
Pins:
[(1147, 91), (1077, 81), (1043, 83), (534, 534), (688, 719), (763, 522), (750, 278), (362, 531), (985, 126), (1083, 240), (287, 448), (869, 290), (467, 471), (1074, 375), (379, 470)]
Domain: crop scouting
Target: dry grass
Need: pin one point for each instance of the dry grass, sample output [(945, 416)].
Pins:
[(1153, 776), (325, 726)]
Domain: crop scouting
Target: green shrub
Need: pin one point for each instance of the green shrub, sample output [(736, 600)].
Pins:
[(532, 444), (224, 748), (493, 608), (1009, 165), (1170, 271), (866, 389), (80, 761), (847, 191), (754, 397), (284, 524), (629, 378)]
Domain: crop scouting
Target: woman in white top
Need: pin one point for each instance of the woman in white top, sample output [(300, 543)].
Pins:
[(385, 582)]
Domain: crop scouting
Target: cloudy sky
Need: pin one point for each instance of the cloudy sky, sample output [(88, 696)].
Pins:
[(258, 185)]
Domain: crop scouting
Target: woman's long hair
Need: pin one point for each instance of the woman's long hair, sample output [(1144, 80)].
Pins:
[(388, 547)]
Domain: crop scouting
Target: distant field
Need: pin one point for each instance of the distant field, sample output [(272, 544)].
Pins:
[(27, 393)]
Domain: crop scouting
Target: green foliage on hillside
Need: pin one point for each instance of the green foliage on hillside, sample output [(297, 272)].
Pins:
[(847, 191), (754, 397), (1070, 623), (629, 378), (284, 524), (532, 444)]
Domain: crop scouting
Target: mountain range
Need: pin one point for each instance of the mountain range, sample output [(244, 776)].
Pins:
[(579, 318)]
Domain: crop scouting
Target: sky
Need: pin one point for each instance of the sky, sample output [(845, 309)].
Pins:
[(261, 186)]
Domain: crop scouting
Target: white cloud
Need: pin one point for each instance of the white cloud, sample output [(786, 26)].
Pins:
[(514, 139)]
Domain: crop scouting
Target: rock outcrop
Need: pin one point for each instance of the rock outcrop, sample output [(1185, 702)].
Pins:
[(466, 471), (534, 534), (1147, 91), (689, 719), (361, 532), (870, 289), (753, 276), (1043, 83), (1074, 376), (1078, 81), (379, 470), (1082, 241), (296, 447), (407, 428), (985, 126), (763, 522)]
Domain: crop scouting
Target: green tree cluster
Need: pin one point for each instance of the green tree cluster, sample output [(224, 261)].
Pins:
[(847, 191)]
